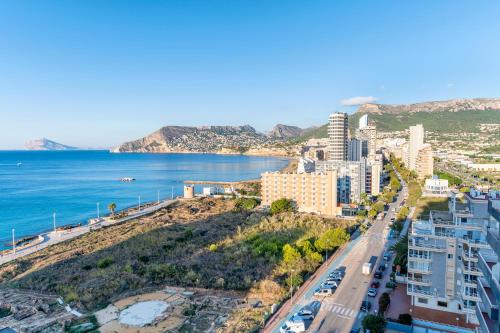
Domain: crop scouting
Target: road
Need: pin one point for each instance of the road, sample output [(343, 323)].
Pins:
[(54, 237), (341, 312)]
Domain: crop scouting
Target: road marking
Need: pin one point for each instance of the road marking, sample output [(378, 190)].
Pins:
[(336, 309), (343, 311), (344, 317)]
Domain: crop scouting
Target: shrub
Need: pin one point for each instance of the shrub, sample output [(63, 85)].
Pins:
[(374, 323), (213, 247), (160, 272), (281, 206), (246, 203), (291, 256), (104, 262), (405, 319), (331, 239)]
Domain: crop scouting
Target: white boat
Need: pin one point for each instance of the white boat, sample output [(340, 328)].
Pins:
[(127, 179), (19, 164)]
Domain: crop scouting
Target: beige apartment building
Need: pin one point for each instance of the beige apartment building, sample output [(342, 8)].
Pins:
[(424, 164), (314, 192)]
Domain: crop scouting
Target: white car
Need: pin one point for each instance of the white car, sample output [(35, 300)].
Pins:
[(293, 325), (372, 292), (305, 314), (324, 291)]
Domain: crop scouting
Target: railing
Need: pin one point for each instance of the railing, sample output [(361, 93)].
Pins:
[(474, 242), (471, 270), (419, 281), (426, 244), (492, 237), (421, 292), (471, 296), (469, 257), (470, 283), (419, 256)]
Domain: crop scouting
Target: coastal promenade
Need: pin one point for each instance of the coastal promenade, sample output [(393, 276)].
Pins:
[(54, 237)]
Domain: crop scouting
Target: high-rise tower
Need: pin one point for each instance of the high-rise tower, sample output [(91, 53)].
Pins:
[(337, 136)]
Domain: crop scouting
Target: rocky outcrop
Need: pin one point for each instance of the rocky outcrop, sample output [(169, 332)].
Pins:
[(205, 139), (453, 105), (46, 144), (281, 131)]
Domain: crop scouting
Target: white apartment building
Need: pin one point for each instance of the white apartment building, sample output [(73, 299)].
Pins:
[(338, 133), (443, 256), (416, 141)]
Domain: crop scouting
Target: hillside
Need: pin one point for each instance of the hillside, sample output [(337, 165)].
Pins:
[(46, 144), (281, 131), (442, 117), (453, 105)]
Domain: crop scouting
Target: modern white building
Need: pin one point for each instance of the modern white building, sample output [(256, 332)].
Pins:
[(415, 143), (436, 187), (338, 133), (443, 256), (363, 121)]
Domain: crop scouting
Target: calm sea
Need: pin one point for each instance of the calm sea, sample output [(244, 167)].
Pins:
[(71, 183)]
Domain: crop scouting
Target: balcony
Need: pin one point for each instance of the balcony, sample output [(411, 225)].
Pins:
[(492, 237), (419, 281), (489, 301), (469, 256), (487, 325), (419, 292), (420, 257), (471, 296), (470, 269), (470, 283), (429, 245), (475, 242)]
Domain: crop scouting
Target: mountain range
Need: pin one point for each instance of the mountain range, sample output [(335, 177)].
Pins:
[(440, 116)]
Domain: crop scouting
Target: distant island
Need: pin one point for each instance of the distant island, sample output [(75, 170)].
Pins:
[(46, 144)]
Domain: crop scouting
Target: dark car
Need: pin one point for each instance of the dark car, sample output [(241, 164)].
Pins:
[(381, 268), (378, 275), (375, 284), (355, 330), (365, 306)]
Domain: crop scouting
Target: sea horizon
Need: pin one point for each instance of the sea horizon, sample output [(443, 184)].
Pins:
[(71, 183)]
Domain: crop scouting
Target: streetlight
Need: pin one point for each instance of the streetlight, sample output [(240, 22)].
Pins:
[(13, 241)]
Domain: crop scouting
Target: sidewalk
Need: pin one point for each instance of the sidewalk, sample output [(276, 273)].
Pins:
[(54, 237)]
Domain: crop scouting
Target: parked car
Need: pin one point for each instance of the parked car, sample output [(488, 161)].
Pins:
[(305, 314), (355, 330), (375, 284), (381, 267), (372, 292), (387, 256), (293, 325), (365, 306), (324, 292), (329, 284), (335, 276), (378, 275)]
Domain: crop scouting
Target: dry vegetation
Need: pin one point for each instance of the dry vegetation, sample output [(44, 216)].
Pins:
[(203, 243)]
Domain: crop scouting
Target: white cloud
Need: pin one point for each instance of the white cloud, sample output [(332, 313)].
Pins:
[(358, 100)]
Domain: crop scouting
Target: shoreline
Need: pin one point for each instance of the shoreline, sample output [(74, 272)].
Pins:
[(7, 248)]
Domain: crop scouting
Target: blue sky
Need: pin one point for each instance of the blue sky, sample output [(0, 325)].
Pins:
[(96, 73)]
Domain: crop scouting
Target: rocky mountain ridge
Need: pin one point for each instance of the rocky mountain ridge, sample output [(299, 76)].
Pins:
[(453, 105), (281, 131), (203, 139)]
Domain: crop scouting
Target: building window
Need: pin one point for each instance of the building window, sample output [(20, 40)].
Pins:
[(442, 304), (423, 300), (450, 256)]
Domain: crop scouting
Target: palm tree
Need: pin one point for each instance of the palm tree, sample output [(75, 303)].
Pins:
[(112, 208)]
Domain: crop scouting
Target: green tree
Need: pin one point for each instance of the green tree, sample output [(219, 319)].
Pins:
[(383, 302), (374, 323), (282, 205), (112, 208), (403, 213), (331, 239), (291, 256)]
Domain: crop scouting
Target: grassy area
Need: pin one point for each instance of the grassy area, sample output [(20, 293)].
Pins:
[(426, 204), (452, 180), (204, 243)]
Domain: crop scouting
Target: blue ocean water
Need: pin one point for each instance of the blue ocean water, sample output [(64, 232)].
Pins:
[(71, 183)]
